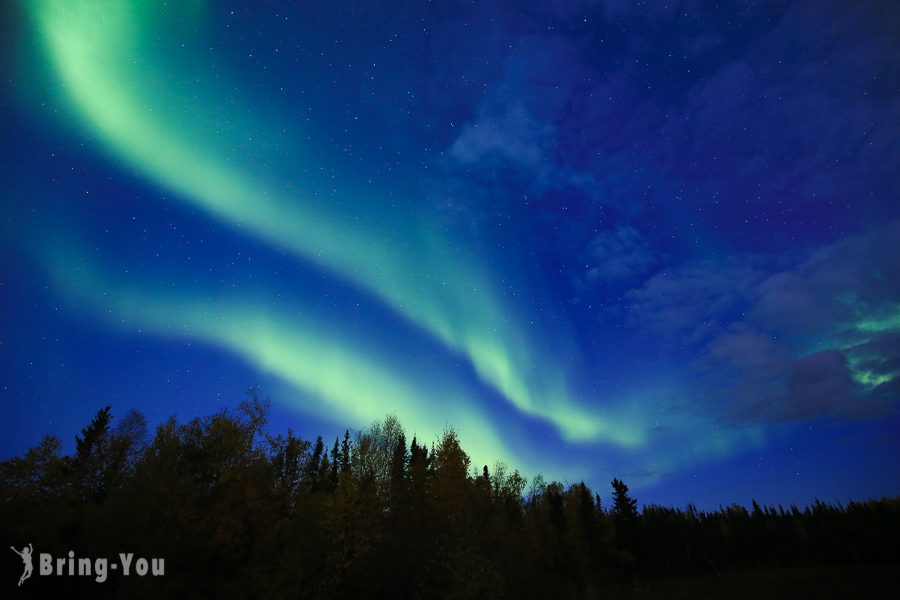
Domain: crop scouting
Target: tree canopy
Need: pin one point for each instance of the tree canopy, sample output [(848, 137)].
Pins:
[(239, 512)]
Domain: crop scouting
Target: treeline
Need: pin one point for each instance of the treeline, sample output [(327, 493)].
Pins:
[(239, 513)]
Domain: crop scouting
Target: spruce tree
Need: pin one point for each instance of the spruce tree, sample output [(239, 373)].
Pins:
[(624, 507)]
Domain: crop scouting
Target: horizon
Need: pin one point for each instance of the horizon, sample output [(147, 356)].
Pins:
[(68, 446)]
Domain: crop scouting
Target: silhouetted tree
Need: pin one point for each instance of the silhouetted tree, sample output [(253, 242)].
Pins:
[(335, 465), (345, 452), (313, 465), (624, 507), (238, 513), (399, 460)]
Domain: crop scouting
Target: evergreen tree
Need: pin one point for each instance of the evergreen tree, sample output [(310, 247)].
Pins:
[(90, 464), (624, 507), (313, 464), (399, 461), (624, 511), (91, 437), (335, 466), (345, 452)]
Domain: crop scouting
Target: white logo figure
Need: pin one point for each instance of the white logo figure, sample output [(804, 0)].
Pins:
[(26, 560)]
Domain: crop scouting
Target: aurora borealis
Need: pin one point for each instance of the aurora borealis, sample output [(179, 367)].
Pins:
[(658, 241)]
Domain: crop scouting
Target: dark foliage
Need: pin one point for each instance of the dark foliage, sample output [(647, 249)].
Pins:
[(238, 513)]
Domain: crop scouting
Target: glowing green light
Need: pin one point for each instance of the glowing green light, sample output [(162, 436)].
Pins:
[(864, 370), (887, 322), (872, 379), (105, 57), (342, 383)]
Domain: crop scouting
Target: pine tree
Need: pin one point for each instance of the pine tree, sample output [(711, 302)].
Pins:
[(398, 469), (624, 511), (417, 466), (92, 436), (313, 464), (345, 452), (335, 466), (624, 507), (91, 456)]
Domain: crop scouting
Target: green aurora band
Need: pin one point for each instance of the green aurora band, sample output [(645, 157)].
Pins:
[(114, 79), (868, 369), (344, 384), (889, 321)]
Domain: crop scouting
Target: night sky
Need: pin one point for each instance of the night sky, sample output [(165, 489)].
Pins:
[(652, 240)]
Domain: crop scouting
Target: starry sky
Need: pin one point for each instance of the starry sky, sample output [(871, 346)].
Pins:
[(652, 240)]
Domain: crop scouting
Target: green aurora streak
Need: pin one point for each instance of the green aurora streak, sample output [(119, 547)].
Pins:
[(102, 55), (349, 385), (346, 383), (867, 369), (889, 321)]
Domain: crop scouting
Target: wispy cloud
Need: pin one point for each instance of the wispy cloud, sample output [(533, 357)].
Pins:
[(773, 344)]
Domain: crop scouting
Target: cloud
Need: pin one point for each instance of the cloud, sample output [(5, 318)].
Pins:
[(756, 379), (516, 124), (514, 135), (819, 339), (781, 332), (805, 117), (689, 303), (616, 256), (837, 283), (798, 128)]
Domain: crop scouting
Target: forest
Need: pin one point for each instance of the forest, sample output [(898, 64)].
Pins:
[(238, 512)]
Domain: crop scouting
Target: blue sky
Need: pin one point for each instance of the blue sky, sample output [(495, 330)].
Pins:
[(653, 240)]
